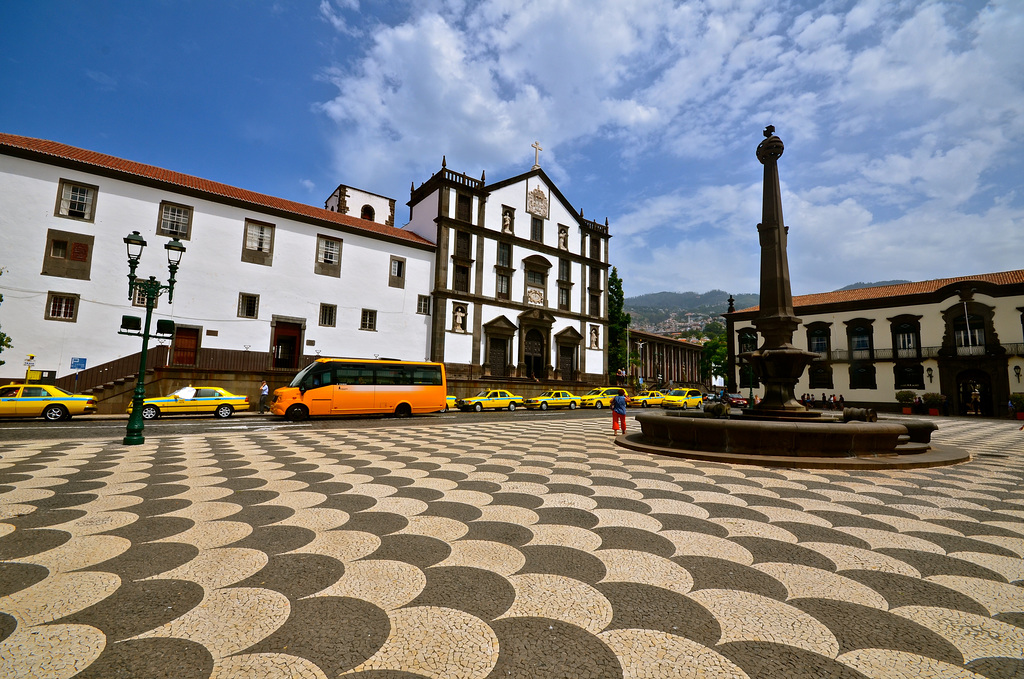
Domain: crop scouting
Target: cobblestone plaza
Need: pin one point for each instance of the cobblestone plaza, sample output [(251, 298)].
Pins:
[(486, 550)]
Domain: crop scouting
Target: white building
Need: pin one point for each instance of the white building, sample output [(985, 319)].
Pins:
[(520, 282), (960, 337), (260, 273), (501, 282)]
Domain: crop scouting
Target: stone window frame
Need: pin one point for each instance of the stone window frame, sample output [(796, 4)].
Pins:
[(328, 316), (594, 304), (506, 250), (564, 291), (162, 220), (367, 212), (500, 277), (819, 330), (368, 320), (464, 207), (245, 301), (68, 255), (323, 267), (396, 272), (63, 206), (536, 229), (861, 328), (455, 278), (253, 251), (52, 298)]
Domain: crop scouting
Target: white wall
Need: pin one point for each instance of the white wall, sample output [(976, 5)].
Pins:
[(209, 279)]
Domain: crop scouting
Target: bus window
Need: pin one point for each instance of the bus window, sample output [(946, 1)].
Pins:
[(427, 374), (354, 373), (388, 375)]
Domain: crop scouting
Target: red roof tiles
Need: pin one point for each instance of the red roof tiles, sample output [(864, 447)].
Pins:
[(885, 291), (211, 188)]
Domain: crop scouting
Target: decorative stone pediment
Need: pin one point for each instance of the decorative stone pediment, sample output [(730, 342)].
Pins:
[(568, 336), (500, 325), (536, 317)]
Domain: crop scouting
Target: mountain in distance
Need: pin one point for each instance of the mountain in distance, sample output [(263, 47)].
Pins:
[(668, 311), (858, 286)]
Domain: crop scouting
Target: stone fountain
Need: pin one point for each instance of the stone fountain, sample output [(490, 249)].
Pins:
[(780, 431)]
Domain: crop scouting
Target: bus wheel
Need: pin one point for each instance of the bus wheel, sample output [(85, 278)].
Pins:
[(478, 407), (403, 410), (296, 413)]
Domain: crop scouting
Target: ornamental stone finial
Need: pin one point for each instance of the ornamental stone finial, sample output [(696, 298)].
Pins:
[(771, 148)]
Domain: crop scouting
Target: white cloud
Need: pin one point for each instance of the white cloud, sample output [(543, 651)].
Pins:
[(903, 122)]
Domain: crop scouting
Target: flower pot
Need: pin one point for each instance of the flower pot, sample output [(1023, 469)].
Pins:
[(1020, 416), (933, 411), (907, 410)]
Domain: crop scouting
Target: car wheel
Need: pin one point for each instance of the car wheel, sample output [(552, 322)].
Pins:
[(445, 409), (644, 404), (223, 410), (598, 405), (55, 413), (572, 405), (296, 413), (543, 406), (684, 405), (478, 407), (150, 412), (511, 407)]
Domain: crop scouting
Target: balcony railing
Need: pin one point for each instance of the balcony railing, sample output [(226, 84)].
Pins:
[(847, 356)]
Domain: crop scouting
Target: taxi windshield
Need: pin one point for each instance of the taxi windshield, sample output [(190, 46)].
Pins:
[(547, 393), (485, 392), (678, 392), (593, 391)]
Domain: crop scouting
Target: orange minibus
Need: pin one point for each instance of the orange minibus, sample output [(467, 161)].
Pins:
[(353, 386)]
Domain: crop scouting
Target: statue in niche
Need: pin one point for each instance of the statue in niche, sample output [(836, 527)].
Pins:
[(459, 318), (563, 237), (594, 337), (506, 221)]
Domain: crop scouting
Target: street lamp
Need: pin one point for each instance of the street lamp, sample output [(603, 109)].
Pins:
[(151, 289)]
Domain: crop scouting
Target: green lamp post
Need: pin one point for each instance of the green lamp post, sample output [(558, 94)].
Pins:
[(150, 289)]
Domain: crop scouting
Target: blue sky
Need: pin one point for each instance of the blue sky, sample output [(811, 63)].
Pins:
[(903, 120)]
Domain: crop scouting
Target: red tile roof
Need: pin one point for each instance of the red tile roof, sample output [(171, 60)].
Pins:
[(213, 189), (885, 291)]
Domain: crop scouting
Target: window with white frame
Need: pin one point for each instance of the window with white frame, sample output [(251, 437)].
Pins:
[(175, 221), (501, 287), (258, 247), (328, 256), (76, 201), (62, 306), (368, 319), (248, 305), (139, 298), (423, 304), (328, 315), (396, 277)]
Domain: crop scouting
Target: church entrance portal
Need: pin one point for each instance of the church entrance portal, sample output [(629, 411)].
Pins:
[(533, 350), (974, 390)]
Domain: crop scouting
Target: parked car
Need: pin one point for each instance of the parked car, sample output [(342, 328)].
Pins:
[(646, 399), (497, 399), (735, 400), (683, 398), (601, 397), (553, 399), (43, 400), (449, 403), (193, 401)]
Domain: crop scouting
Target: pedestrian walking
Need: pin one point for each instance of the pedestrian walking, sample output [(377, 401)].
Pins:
[(619, 412), (264, 393)]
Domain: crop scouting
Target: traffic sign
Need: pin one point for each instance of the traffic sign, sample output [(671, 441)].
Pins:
[(77, 363)]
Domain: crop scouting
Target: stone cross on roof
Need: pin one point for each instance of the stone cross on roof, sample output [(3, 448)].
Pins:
[(536, 154)]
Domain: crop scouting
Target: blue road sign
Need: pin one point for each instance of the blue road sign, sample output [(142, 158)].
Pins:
[(77, 363)]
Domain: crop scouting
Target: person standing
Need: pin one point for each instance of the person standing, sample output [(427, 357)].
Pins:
[(264, 393), (619, 412)]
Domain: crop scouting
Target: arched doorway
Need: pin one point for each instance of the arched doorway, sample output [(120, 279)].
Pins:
[(533, 355), (974, 392)]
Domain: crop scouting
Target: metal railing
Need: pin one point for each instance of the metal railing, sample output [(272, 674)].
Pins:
[(846, 356)]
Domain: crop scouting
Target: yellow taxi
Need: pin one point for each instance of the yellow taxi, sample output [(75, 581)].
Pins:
[(43, 400), (683, 398), (553, 399), (497, 399), (601, 397), (193, 401), (449, 403), (646, 399)]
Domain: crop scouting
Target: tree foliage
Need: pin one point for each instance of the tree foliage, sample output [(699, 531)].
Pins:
[(714, 358), (5, 340), (618, 323)]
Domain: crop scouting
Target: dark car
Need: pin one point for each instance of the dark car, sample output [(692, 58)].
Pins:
[(735, 400)]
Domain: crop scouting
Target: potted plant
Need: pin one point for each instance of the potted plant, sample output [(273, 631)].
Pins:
[(1018, 404), (905, 398), (932, 401)]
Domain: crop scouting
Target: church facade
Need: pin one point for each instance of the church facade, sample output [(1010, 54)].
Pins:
[(520, 283)]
